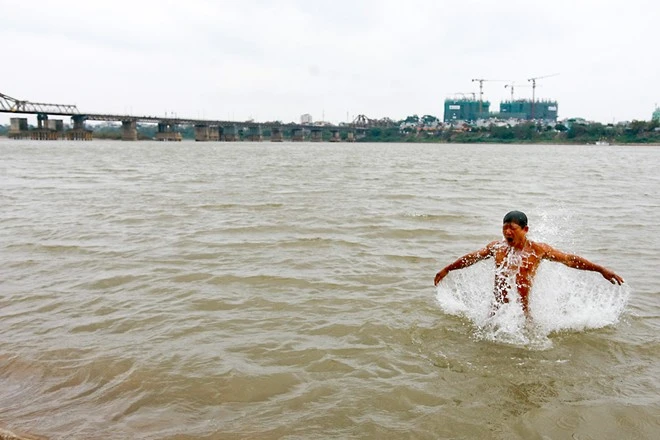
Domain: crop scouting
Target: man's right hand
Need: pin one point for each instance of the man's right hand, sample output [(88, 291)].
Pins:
[(611, 276), (439, 276)]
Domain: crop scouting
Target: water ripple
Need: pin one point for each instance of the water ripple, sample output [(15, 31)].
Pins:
[(285, 291)]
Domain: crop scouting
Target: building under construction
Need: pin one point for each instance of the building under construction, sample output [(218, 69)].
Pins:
[(468, 110), (527, 110)]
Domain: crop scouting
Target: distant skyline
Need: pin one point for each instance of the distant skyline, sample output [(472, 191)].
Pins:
[(277, 60)]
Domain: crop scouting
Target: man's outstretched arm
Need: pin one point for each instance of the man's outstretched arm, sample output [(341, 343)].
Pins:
[(577, 262), (465, 261)]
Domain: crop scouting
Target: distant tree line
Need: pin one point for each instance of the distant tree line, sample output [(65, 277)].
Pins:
[(428, 128)]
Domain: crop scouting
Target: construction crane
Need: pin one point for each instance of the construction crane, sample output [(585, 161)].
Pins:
[(533, 80), (481, 89), (512, 86)]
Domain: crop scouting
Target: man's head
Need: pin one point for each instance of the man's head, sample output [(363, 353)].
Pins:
[(514, 228), (516, 217)]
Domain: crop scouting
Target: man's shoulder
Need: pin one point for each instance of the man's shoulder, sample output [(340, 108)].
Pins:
[(540, 248), (497, 244)]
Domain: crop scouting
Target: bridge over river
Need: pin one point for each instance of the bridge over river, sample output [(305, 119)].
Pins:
[(205, 129)]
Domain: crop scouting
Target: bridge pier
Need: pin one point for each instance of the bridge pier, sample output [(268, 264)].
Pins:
[(44, 135), (205, 133), (202, 133), (215, 133), (43, 132), (79, 133), (78, 122), (350, 136), (335, 136), (276, 134), (18, 128), (317, 135), (55, 125), (42, 121), (256, 135), (166, 132), (231, 133), (298, 135), (129, 130)]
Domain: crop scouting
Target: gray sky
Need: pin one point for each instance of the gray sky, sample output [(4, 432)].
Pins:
[(275, 60)]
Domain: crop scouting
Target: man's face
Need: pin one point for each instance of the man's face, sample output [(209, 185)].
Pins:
[(514, 234)]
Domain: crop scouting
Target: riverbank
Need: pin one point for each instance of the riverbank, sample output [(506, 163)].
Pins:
[(632, 133), (577, 133), (440, 138)]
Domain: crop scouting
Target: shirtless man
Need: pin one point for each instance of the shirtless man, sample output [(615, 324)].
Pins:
[(517, 259)]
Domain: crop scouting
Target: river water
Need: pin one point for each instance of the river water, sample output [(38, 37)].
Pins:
[(285, 291)]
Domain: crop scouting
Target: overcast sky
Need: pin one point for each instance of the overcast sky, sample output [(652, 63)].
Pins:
[(275, 60)]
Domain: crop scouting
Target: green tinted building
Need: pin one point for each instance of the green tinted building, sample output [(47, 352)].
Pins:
[(466, 110), (525, 109)]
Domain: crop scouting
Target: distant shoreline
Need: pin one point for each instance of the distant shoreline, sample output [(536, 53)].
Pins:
[(410, 140), (439, 142), (411, 130)]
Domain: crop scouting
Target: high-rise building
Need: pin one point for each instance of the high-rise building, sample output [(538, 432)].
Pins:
[(468, 110), (528, 110), (306, 119)]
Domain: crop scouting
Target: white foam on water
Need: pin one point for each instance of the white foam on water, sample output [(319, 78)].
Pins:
[(561, 299), (568, 299)]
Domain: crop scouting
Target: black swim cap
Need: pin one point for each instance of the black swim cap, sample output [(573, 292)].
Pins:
[(516, 217)]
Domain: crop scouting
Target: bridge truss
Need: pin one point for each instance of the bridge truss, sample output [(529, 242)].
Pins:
[(13, 105), (42, 110)]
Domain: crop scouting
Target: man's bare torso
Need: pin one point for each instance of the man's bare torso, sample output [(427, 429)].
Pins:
[(515, 268), (517, 260)]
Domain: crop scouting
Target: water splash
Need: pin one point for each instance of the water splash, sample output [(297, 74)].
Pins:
[(469, 293), (561, 299), (568, 299)]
